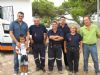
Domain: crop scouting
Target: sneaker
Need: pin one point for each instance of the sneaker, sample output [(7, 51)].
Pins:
[(85, 72), (16, 73), (77, 73), (25, 74), (22, 74), (50, 71), (97, 71), (60, 72), (70, 73)]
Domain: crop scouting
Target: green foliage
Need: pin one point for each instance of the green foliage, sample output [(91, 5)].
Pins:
[(43, 8), (80, 7), (60, 10), (47, 11)]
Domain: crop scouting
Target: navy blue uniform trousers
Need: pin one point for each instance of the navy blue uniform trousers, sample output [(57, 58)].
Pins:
[(73, 58), (39, 55), (55, 53)]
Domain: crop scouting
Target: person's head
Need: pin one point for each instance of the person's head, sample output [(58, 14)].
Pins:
[(62, 20), (73, 28), (54, 25), (36, 21), (20, 16), (87, 21), (22, 38)]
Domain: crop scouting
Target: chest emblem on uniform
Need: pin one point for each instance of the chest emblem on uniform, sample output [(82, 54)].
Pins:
[(35, 34), (70, 39)]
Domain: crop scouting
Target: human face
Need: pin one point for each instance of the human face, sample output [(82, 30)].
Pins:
[(22, 39), (87, 21), (54, 26), (62, 21), (20, 17), (37, 21), (73, 29)]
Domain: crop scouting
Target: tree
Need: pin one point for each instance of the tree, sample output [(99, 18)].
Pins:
[(44, 9), (80, 8)]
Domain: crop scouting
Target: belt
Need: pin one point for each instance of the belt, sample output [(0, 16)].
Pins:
[(90, 44), (56, 44)]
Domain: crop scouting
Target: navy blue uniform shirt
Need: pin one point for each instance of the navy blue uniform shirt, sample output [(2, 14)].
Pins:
[(18, 29), (37, 33), (59, 33), (65, 29), (73, 40)]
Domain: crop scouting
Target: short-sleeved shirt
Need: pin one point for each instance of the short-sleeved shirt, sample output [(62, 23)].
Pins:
[(37, 33), (22, 49), (73, 40), (18, 29), (65, 29), (58, 33), (89, 36)]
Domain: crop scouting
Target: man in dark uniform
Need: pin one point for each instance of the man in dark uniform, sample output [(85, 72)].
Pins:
[(64, 27), (38, 33), (54, 50)]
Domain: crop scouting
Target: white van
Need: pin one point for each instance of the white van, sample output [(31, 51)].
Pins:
[(5, 39)]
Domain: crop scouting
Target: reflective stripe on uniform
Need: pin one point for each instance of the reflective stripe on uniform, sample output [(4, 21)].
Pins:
[(51, 58), (42, 57), (36, 58), (58, 59)]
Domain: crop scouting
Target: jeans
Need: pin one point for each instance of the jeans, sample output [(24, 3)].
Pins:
[(16, 62), (93, 50)]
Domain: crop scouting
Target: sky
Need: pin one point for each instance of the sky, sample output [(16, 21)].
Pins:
[(57, 2)]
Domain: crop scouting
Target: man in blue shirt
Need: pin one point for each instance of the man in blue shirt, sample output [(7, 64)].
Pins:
[(55, 36), (38, 40), (18, 27)]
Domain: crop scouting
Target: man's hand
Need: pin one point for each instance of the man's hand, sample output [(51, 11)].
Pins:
[(17, 51), (65, 50), (31, 41), (56, 37)]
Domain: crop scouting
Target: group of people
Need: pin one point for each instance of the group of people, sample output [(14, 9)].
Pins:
[(62, 38)]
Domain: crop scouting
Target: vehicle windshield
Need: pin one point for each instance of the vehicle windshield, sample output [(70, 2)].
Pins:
[(6, 28)]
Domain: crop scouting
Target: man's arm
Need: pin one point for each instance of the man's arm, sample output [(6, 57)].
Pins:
[(13, 37), (81, 46), (45, 34), (12, 34), (45, 37), (27, 38), (65, 47), (97, 32), (58, 38)]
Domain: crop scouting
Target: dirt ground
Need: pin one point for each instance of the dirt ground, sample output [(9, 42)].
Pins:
[(6, 65)]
